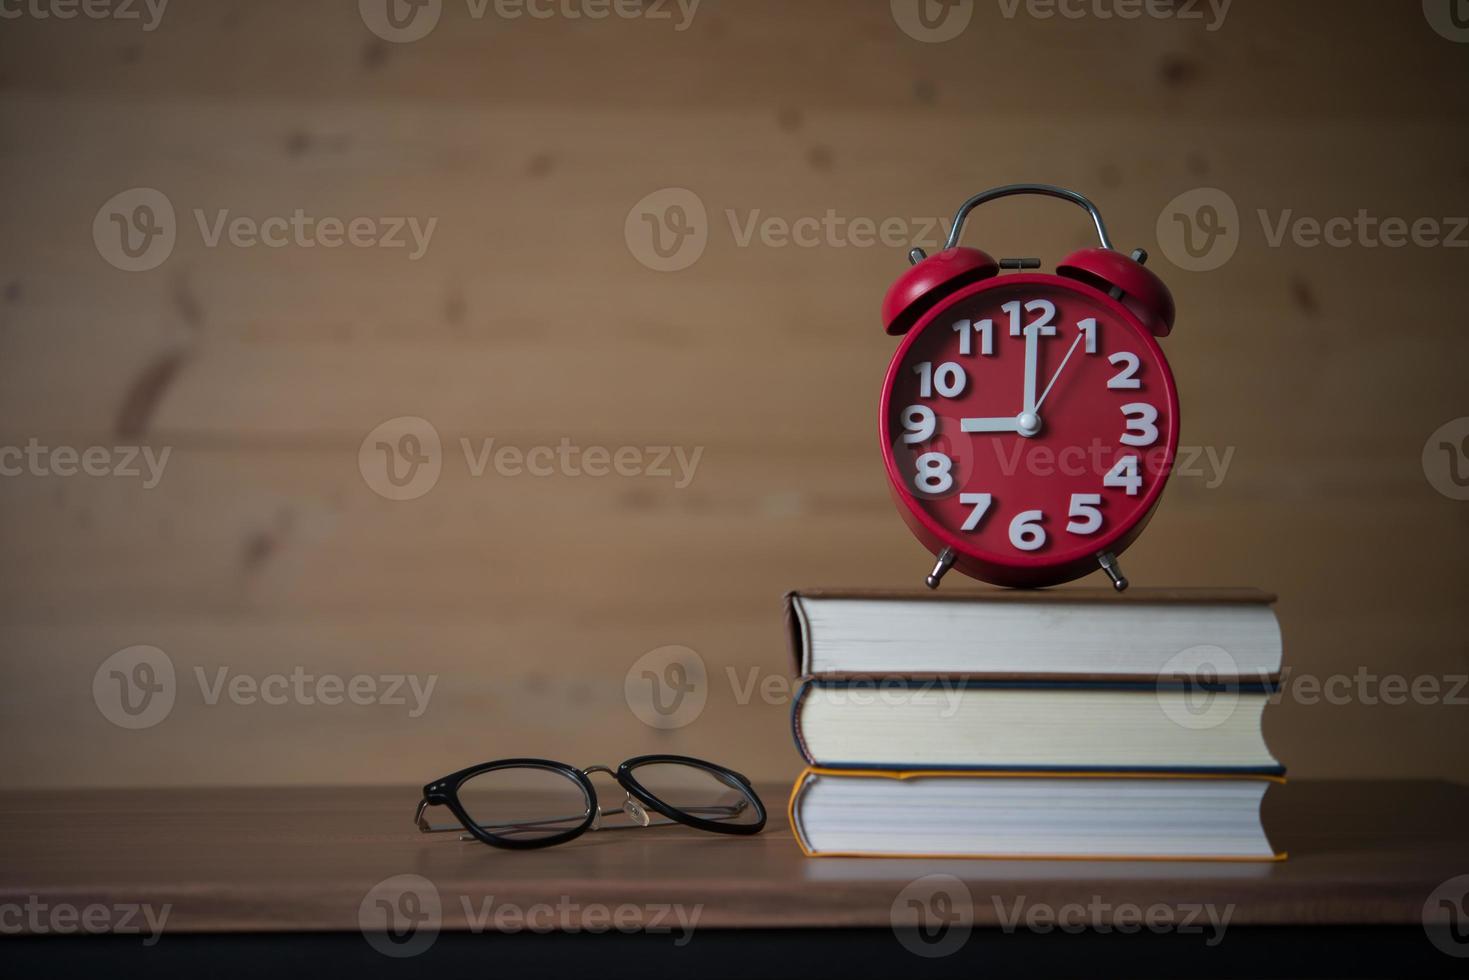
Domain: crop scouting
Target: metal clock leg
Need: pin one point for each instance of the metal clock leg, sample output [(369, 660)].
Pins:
[(1109, 565), (940, 568)]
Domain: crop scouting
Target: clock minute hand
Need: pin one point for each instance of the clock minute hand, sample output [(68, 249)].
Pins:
[(1057, 375)]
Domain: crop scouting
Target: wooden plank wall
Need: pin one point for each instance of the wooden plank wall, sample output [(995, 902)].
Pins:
[(530, 320)]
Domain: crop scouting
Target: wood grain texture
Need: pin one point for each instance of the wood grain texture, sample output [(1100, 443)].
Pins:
[(1318, 373), (270, 859)]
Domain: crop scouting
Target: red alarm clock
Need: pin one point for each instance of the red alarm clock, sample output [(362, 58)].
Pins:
[(1029, 420)]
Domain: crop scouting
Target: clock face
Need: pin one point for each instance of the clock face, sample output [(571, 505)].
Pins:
[(1029, 422)]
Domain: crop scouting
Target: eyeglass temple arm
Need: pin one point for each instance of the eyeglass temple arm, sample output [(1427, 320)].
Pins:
[(424, 827)]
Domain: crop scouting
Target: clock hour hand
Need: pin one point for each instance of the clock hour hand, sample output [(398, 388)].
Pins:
[(1010, 424)]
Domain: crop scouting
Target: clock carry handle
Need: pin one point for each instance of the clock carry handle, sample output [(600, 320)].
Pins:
[(930, 279), (1123, 277), (1044, 190)]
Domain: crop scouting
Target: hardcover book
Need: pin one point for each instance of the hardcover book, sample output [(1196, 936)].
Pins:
[(1064, 633), (1018, 815), (846, 721)]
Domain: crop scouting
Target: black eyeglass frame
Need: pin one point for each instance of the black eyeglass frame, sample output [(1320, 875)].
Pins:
[(445, 792)]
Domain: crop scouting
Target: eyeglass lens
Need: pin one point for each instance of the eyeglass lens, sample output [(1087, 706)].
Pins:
[(707, 794), (525, 803)]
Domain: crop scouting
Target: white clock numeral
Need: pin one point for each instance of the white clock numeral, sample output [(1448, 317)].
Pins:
[(1026, 533), (981, 504), (1127, 377), (1012, 310), (1142, 428), (935, 473), (1043, 324), (920, 423), (966, 331), (964, 328), (1125, 475), (1089, 328), (1086, 514), (948, 380)]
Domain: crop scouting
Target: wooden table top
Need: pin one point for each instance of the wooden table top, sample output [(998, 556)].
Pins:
[(255, 860)]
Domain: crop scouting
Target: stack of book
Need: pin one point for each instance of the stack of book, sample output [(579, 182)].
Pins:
[(1034, 724)]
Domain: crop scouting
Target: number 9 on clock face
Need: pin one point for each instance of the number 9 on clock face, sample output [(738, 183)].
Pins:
[(1028, 423)]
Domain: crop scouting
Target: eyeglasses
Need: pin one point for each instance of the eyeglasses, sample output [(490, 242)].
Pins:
[(528, 803)]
